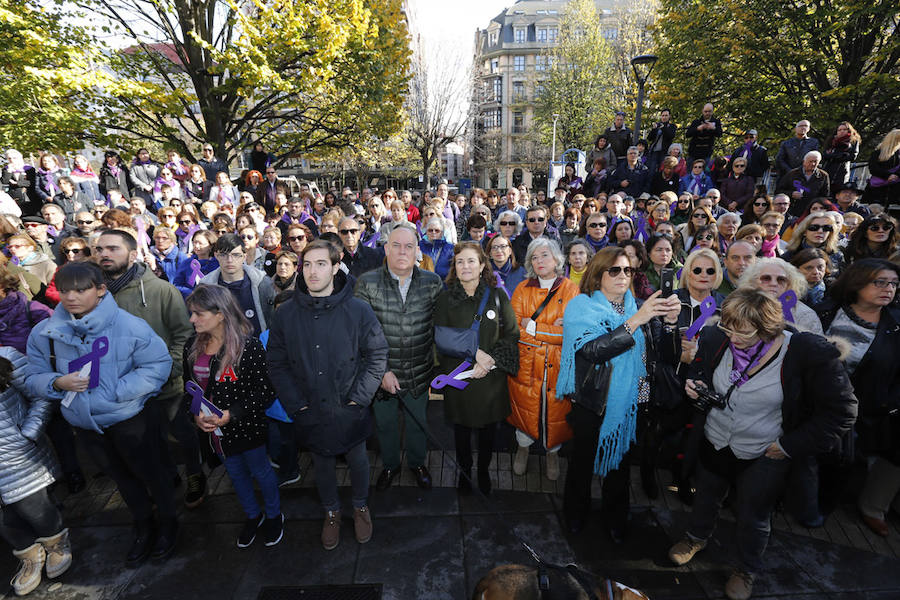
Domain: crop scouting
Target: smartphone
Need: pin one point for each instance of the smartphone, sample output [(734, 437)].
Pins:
[(667, 282)]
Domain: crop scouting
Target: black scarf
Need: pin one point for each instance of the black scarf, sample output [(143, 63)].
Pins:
[(116, 285)]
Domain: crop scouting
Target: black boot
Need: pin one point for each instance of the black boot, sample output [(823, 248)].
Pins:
[(165, 539), (648, 479), (484, 481), (142, 544), (464, 486)]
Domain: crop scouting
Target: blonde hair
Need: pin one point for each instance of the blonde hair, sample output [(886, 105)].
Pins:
[(830, 245), (796, 280), (689, 264), (889, 145), (756, 307)]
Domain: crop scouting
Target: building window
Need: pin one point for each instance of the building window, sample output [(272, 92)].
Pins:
[(518, 91), (542, 34), (610, 33), (498, 90), (552, 34), (518, 63), (492, 38), (520, 35), (539, 89), (495, 65), (540, 62), (518, 122)]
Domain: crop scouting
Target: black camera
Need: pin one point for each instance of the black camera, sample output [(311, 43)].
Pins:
[(707, 399)]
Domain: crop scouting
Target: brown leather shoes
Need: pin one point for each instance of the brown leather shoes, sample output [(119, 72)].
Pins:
[(878, 526)]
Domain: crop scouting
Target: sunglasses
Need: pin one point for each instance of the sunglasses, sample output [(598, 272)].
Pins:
[(596, 225), (617, 270), (704, 238), (760, 204), (207, 149), (780, 279), (83, 222), (536, 219), (507, 223), (295, 238), (699, 216), (825, 228), (698, 270), (248, 237), (346, 231), (74, 250), (739, 166), (881, 227), (270, 172)]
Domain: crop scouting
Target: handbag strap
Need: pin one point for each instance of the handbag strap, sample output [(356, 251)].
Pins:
[(476, 322), (544, 304)]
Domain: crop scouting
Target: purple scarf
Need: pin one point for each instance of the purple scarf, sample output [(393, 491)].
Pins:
[(748, 149), (695, 187), (50, 178), (177, 168), (113, 170), (744, 359)]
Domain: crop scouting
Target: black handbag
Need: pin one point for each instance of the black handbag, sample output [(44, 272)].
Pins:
[(457, 342), (666, 387)]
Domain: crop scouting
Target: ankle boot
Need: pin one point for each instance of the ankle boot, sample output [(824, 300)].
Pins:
[(464, 485), (29, 575), (648, 480), (484, 481), (142, 544), (58, 551)]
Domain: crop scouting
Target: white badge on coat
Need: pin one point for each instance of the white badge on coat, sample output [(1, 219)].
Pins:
[(249, 314), (490, 314)]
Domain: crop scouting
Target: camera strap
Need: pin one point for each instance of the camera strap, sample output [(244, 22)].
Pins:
[(737, 377)]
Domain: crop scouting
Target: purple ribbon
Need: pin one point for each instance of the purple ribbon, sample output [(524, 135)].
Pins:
[(442, 381), (198, 400), (196, 273), (142, 231), (788, 302), (800, 187), (707, 309), (98, 350)]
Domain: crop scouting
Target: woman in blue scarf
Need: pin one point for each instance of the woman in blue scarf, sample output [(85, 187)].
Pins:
[(608, 341)]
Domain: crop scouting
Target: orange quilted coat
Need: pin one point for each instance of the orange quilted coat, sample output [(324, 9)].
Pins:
[(539, 357)]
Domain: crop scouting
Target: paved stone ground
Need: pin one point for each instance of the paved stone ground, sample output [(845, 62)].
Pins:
[(437, 544)]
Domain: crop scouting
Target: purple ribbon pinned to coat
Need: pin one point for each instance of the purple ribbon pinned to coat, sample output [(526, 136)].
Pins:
[(788, 302), (98, 350), (800, 187), (196, 273), (707, 309), (450, 379)]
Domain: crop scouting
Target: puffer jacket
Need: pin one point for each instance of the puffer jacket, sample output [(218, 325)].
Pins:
[(134, 368), (17, 316), (28, 463), (340, 358), (408, 326), (39, 265), (539, 357), (245, 397), (161, 306)]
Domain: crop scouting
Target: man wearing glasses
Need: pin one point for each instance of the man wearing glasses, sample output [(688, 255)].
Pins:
[(782, 203), (86, 224), (535, 227), (210, 164), (268, 190), (253, 291), (358, 258)]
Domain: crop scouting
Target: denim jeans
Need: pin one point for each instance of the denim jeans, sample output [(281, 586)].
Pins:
[(326, 478), (243, 468), (759, 484)]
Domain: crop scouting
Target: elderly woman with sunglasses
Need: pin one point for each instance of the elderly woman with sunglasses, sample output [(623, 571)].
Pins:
[(859, 308), (876, 237), (671, 417), (779, 397), (610, 341), (818, 230)]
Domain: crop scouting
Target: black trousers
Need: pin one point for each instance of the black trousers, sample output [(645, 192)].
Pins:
[(129, 452), (615, 499), (63, 439), (486, 436), (32, 517)]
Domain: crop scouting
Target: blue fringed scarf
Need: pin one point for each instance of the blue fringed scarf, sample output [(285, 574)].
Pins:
[(587, 318)]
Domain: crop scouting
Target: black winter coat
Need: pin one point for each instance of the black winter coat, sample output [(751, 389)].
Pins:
[(758, 163), (702, 142), (246, 398), (325, 353), (408, 326), (20, 186), (365, 259), (108, 181), (819, 406), (667, 131), (876, 383)]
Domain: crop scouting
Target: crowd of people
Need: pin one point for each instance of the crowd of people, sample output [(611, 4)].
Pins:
[(665, 312)]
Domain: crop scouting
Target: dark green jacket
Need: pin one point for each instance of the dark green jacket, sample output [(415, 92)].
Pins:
[(484, 400), (162, 306), (408, 326)]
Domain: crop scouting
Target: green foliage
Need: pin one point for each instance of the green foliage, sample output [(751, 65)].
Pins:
[(47, 79), (303, 76), (766, 64), (577, 80)]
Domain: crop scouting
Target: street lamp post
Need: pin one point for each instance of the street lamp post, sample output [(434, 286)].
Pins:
[(553, 149), (642, 66)]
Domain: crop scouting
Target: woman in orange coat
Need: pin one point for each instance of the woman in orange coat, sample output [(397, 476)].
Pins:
[(537, 414)]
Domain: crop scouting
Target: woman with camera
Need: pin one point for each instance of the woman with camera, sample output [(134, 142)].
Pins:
[(769, 397), (609, 346)]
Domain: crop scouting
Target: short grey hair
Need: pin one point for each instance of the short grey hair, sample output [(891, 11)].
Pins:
[(630, 148), (512, 215), (555, 250), (796, 280), (728, 215), (435, 221), (815, 153)]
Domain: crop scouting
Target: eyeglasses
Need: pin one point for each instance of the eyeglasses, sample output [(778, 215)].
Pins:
[(347, 231), (536, 219), (231, 256), (779, 279), (596, 225), (507, 223), (881, 226), (760, 204), (698, 271), (825, 228), (83, 222), (738, 334), (74, 250), (295, 238), (883, 283), (499, 247), (617, 270), (248, 237)]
